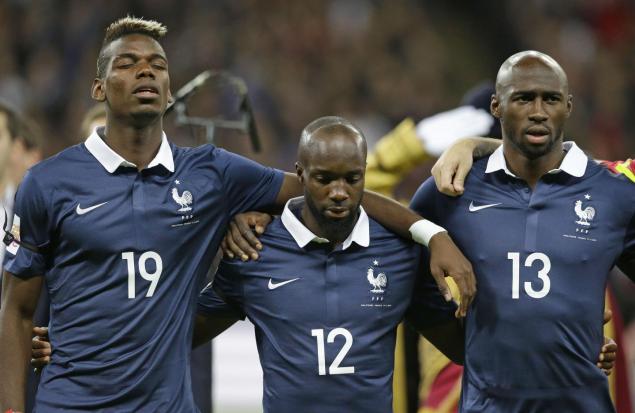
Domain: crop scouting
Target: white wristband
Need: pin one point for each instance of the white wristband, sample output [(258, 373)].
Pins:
[(423, 230)]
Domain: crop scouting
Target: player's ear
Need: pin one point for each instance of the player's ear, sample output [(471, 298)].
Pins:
[(98, 91), (494, 106), (299, 171), (170, 98), (569, 104)]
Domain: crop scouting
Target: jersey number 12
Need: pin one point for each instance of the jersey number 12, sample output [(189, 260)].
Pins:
[(335, 367)]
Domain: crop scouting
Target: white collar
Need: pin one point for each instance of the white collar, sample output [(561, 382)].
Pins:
[(574, 162), (111, 160), (302, 235)]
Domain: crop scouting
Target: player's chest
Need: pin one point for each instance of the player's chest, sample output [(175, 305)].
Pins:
[(135, 211), (329, 289), (572, 225)]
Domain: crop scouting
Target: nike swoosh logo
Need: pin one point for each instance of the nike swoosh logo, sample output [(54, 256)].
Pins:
[(82, 211), (273, 286), (474, 208)]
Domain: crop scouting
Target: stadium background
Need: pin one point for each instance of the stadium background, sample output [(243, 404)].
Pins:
[(374, 62)]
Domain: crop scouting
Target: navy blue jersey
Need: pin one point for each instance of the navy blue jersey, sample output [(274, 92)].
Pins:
[(124, 254), (541, 258), (326, 319)]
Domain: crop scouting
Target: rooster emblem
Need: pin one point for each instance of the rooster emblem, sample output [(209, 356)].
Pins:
[(378, 282), (184, 200), (585, 214)]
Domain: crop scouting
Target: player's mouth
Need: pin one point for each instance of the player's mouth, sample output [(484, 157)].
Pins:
[(146, 92), (537, 134), (337, 212)]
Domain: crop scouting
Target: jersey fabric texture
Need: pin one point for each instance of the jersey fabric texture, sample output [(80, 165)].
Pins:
[(541, 260), (326, 319), (124, 254)]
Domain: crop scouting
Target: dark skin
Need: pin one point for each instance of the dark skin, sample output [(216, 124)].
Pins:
[(532, 101)]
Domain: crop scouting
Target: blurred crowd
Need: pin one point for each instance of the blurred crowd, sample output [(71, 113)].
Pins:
[(373, 61)]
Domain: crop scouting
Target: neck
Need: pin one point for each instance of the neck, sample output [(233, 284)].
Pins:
[(531, 170), (136, 145)]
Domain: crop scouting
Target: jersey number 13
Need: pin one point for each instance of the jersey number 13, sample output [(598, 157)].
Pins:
[(543, 274)]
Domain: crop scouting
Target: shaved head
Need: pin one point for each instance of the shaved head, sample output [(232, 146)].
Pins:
[(526, 60), (329, 133)]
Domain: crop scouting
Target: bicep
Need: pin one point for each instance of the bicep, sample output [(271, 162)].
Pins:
[(290, 188)]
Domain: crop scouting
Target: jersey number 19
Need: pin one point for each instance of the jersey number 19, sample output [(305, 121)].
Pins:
[(153, 277)]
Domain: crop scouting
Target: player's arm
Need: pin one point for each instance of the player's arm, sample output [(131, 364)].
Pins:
[(19, 300), (452, 167), (207, 327), (446, 258)]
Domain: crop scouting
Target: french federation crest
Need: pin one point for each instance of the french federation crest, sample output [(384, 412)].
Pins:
[(378, 282), (585, 214), (184, 199)]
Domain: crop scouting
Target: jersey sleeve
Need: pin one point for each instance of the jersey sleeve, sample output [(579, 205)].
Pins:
[(427, 307), (30, 225), (248, 185), (224, 295), (426, 201)]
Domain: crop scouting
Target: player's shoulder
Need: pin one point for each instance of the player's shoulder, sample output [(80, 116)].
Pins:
[(277, 243), (624, 170), (613, 174), (380, 235), (64, 163), (204, 153)]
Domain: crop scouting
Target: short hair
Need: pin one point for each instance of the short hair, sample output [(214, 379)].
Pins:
[(30, 134), (14, 121), (21, 127), (328, 124), (123, 27)]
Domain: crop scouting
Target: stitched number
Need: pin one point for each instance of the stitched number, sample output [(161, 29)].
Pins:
[(543, 274), (334, 368), (153, 277)]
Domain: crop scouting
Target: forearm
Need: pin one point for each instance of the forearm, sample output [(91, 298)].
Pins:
[(15, 337), (483, 146), (390, 213)]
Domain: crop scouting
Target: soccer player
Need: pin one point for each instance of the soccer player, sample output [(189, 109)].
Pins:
[(329, 289), (543, 227), (124, 228)]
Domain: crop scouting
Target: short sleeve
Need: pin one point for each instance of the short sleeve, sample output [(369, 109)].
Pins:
[(30, 225), (427, 307), (426, 200), (224, 295), (248, 185)]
